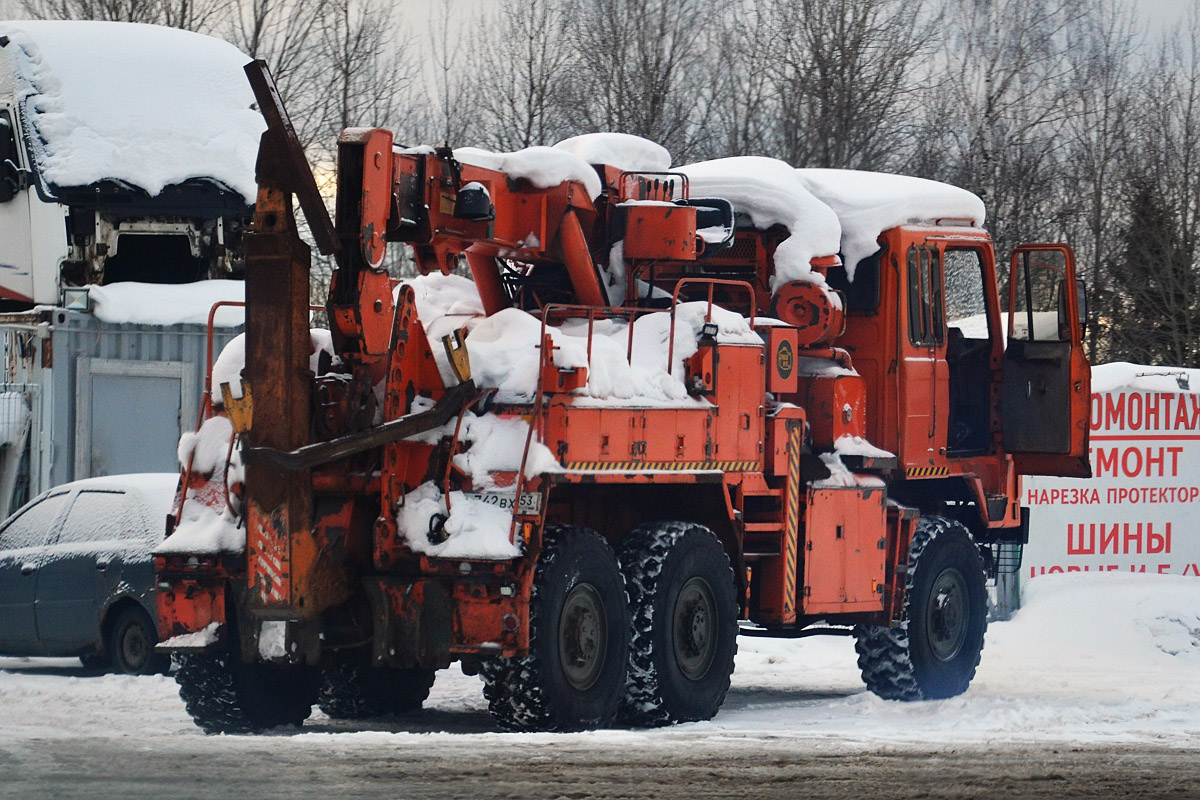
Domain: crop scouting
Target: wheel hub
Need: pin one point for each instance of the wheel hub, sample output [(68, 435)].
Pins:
[(946, 617), (695, 634), (134, 647), (582, 636)]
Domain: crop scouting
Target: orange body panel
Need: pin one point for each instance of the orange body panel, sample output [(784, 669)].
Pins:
[(661, 232), (845, 551)]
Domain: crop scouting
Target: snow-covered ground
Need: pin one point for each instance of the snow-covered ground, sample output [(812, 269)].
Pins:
[(1103, 659)]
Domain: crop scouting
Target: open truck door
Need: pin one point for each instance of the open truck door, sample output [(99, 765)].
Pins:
[(1047, 379)]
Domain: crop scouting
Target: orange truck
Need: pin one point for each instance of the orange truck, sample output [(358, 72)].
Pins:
[(649, 421)]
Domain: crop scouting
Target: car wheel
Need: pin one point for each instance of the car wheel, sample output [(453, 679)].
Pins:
[(131, 644)]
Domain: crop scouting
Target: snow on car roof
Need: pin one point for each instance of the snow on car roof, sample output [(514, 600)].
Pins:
[(143, 104), (869, 203), (156, 489)]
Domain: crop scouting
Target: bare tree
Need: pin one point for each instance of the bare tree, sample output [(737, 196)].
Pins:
[(646, 68), (194, 15), (1101, 104), (844, 73), (519, 78), (1154, 313), (447, 113), (992, 125)]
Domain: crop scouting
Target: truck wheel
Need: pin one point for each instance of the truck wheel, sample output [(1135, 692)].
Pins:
[(358, 691), (131, 641), (934, 654), (574, 675), (683, 638), (224, 695)]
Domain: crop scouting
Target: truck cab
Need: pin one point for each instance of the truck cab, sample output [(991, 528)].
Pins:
[(970, 364), (108, 175)]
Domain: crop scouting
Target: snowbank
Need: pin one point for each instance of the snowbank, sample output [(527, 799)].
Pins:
[(147, 105), (1085, 663), (869, 203), (772, 193), (1121, 375), (621, 150), (168, 304), (541, 166)]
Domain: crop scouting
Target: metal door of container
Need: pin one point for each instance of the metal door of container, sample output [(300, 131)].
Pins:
[(128, 415)]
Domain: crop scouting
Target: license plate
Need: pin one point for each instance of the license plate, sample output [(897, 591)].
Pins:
[(531, 502)]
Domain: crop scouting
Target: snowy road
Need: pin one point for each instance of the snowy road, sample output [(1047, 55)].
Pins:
[(1092, 690)]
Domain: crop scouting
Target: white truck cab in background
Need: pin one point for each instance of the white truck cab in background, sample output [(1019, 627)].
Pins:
[(128, 155)]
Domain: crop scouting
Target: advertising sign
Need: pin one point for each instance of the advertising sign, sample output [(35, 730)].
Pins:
[(1140, 511)]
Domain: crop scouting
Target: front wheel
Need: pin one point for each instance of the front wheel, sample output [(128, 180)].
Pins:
[(131, 644), (933, 655), (574, 674)]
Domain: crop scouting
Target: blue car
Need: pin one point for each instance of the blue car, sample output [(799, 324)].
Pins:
[(77, 575)]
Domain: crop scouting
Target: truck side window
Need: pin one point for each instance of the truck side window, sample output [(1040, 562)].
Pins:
[(10, 159), (862, 293), (1040, 307), (966, 302), (925, 320)]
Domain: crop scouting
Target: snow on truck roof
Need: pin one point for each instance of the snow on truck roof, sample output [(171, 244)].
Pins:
[(621, 150), (771, 193), (869, 203), (143, 104)]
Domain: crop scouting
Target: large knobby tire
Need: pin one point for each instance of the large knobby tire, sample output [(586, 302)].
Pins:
[(574, 675), (358, 691), (224, 695), (131, 641), (933, 655), (683, 611)]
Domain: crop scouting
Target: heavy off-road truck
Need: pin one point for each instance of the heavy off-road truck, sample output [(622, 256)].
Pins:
[(655, 416)]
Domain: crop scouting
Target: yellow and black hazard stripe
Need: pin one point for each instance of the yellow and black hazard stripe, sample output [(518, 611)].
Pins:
[(926, 472), (674, 466), (791, 520)]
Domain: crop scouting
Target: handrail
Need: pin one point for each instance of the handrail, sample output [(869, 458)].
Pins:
[(711, 282)]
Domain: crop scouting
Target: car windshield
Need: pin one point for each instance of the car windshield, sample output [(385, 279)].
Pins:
[(102, 515), (33, 525)]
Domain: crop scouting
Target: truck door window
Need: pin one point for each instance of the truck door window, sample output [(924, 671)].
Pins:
[(10, 159), (925, 320), (1040, 306), (966, 301)]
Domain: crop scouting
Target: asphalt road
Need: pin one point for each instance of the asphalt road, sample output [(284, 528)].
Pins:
[(351, 765)]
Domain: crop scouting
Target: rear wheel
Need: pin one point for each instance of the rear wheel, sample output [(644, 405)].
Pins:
[(574, 674), (358, 691), (131, 642), (224, 695), (934, 654), (683, 607)]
